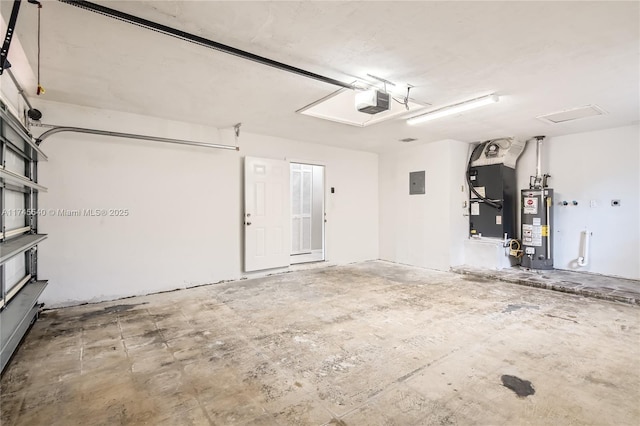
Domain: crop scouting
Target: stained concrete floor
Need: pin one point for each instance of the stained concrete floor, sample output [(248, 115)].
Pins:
[(592, 285), (365, 344)]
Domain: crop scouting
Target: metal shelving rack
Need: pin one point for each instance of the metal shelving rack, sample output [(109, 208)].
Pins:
[(18, 300)]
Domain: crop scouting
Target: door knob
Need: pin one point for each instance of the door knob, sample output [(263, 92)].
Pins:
[(248, 223)]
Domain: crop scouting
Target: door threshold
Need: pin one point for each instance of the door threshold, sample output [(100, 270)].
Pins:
[(314, 256), (307, 262)]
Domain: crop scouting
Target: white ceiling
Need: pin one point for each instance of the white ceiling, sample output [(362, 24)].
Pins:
[(540, 57)]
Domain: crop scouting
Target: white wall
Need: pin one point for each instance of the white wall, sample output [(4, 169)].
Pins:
[(423, 230), (185, 205), (597, 166), (431, 230)]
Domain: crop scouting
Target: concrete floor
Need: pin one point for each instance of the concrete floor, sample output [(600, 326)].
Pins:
[(599, 286), (366, 344)]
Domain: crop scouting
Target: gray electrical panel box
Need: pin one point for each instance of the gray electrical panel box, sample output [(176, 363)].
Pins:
[(416, 183)]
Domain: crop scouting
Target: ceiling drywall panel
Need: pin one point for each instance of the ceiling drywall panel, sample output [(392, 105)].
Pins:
[(540, 57)]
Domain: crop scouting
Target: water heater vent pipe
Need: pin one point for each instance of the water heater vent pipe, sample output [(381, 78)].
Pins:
[(538, 159), (539, 179)]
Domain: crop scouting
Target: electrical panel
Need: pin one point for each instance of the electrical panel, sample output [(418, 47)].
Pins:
[(416, 183)]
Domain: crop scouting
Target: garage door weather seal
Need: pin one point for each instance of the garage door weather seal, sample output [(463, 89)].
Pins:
[(192, 38)]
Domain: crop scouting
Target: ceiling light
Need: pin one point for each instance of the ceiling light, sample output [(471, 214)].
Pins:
[(572, 114), (453, 109)]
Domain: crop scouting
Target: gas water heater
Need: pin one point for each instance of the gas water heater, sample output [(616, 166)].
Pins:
[(537, 218)]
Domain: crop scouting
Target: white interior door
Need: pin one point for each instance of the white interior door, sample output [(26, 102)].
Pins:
[(267, 238)]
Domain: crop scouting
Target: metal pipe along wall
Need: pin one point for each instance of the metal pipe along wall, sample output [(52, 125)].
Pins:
[(60, 129), (583, 260)]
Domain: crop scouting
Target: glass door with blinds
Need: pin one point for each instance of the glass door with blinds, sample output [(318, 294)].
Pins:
[(307, 213)]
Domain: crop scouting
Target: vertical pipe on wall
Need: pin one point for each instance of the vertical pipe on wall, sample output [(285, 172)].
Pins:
[(547, 201), (583, 260), (538, 160)]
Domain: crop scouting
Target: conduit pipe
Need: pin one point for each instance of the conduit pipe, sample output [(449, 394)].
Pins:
[(60, 129), (583, 260), (547, 201)]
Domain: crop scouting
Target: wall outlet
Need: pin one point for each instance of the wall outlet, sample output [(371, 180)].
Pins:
[(615, 203)]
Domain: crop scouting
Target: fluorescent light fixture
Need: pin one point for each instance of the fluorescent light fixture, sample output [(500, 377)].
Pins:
[(453, 109)]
